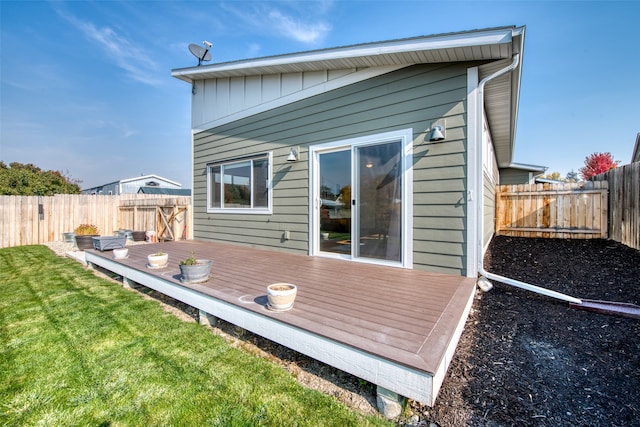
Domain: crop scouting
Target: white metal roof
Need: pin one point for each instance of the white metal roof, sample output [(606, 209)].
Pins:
[(143, 177), (485, 46)]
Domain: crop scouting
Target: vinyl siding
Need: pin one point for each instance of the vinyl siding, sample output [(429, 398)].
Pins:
[(514, 177), (413, 97), (489, 209)]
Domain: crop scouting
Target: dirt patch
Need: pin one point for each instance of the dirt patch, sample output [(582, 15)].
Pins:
[(526, 359)]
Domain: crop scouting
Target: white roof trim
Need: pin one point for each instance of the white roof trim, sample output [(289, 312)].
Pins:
[(334, 55), (526, 167)]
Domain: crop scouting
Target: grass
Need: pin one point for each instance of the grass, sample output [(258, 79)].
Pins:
[(339, 236), (77, 349)]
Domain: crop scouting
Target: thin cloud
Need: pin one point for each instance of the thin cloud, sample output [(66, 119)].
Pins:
[(267, 19), (300, 31), (124, 54)]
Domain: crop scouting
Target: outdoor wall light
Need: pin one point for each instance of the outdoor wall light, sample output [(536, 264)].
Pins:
[(437, 133), (293, 155)]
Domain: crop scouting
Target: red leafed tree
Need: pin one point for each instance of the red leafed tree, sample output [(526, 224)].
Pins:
[(597, 163)]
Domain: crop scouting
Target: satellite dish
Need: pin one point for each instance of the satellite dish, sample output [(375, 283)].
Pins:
[(200, 52)]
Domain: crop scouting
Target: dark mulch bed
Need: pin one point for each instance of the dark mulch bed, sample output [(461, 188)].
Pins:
[(526, 359)]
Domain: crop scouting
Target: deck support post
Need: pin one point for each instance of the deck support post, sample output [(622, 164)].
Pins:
[(207, 319), (127, 283), (389, 403)]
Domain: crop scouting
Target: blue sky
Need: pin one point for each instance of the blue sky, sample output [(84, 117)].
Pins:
[(86, 87)]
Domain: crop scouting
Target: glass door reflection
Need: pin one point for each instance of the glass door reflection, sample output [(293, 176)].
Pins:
[(379, 202), (335, 202)]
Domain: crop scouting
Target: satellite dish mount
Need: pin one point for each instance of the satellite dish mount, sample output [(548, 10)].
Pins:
[(200, 52)]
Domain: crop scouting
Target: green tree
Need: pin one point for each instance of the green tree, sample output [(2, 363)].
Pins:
[(572, 176), (555, 176), (19, 179)]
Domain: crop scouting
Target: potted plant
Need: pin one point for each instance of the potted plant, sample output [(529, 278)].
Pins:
[(84, 235), (158, 260), (194, 270), (120, 253), (138, 236), (281, 296)]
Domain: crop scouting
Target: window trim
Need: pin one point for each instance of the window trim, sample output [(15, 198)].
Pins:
[(250, 210)]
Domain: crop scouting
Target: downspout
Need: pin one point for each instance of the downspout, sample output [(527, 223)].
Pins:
[(480, 198)]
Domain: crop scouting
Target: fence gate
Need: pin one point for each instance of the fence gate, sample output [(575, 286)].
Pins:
[(574, 211), (168, 224)]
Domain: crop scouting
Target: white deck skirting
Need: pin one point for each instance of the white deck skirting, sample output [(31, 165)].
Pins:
[(411, 383)]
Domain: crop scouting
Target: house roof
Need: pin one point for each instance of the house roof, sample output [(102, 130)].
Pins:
[(635, 157), (165, 191), (494, 47), (123, 181), (526, 167), (142, 177)]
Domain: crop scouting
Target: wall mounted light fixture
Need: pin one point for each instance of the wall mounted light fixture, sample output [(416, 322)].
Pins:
[(438, 131), (293, 155)]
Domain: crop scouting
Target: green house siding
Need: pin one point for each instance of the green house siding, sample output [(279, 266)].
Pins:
[(489, 207), (413, 97), (514, 177)]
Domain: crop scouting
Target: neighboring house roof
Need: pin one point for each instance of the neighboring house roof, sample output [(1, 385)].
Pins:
[(526, 167), (549, 181), (150, 177), (165, 191), (635, 157), (492, 48)]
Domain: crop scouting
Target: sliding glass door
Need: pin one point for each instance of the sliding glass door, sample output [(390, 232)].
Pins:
[(334, 211), (378, 202), (359, 201)]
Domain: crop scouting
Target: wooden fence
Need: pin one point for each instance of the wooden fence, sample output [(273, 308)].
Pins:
[(575, 211), (624, 203), (26, 220)]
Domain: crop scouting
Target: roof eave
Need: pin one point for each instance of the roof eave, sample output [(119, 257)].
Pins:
[(333, 58), (526, 167)]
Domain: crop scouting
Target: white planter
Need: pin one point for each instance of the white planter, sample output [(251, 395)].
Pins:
[(157, 260), (120, 253), (281, 296)]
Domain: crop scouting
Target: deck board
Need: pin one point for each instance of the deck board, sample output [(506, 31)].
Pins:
[(407, 316), (395, 327)]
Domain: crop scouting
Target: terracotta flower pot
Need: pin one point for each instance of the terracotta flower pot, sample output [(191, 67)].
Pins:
[(281, 296)]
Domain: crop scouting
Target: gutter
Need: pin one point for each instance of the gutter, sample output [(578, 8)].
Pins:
[(480, 199)]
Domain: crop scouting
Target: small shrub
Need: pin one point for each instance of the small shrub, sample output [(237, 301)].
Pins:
[(86, 230), (189, 261)]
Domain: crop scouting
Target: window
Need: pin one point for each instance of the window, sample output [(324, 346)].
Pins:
[(240, 185)]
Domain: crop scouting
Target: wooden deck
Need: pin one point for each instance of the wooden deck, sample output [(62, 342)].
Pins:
[(394, 327)]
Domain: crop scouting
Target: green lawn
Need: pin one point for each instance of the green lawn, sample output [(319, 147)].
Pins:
[(77, 349)]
